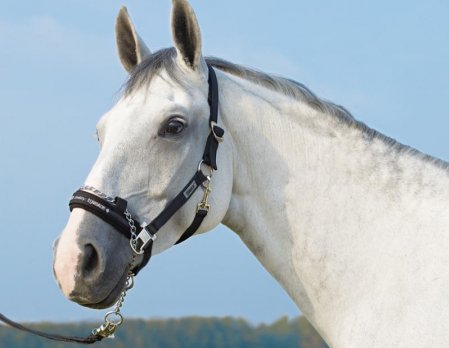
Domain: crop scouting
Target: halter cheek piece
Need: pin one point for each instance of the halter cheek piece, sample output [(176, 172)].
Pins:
[(142, 236)]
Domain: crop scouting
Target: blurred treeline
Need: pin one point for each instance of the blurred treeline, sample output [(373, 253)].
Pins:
[(180, 333)]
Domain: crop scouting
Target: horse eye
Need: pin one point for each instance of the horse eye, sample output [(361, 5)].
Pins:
[(173, 127)]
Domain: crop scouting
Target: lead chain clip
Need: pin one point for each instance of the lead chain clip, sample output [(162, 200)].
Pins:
[(204, 204)]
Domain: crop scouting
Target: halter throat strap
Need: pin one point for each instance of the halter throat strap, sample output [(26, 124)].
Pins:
[(113, 211)]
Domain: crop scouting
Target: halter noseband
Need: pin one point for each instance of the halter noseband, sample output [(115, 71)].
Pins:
[(114, 210)]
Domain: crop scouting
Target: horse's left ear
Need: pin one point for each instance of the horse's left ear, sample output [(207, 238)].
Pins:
[(186, 34)]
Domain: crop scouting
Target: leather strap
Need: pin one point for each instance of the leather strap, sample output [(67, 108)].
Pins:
[(216, 134), (110, 213), (54, 337), (198, 179), (197, 221), (113, 213)]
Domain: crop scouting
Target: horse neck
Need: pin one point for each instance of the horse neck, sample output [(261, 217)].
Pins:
[(331, 209)]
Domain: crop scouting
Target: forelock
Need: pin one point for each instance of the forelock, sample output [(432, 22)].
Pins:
[(143, 74)]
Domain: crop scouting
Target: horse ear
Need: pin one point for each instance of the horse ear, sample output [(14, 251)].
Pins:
[(131, 48), (186, 34)]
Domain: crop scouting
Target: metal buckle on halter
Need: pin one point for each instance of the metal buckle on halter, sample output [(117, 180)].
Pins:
[(145, 237), (214, 124)]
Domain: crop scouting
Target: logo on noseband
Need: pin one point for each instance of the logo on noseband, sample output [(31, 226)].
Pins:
[(79, 198), (98, 205)]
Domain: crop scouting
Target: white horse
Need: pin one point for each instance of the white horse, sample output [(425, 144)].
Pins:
[(352, 224)]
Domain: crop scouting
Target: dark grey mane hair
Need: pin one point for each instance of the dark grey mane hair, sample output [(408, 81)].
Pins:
[(165, 59)]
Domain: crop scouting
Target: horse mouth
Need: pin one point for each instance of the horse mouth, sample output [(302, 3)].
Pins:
[(106, 302)]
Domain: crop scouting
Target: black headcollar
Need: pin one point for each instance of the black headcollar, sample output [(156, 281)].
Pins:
[(114, 211)]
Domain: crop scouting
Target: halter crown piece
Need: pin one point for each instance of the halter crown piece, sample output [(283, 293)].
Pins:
[(143, 235)]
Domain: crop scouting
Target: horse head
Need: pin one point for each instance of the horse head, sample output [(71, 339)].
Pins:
[(151, 142)]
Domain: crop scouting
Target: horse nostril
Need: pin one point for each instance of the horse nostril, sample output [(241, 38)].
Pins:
[(90, 262)]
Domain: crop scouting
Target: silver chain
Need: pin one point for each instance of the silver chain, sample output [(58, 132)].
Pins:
[(114, 318), (128, 216), (98, 193), (132, 230)]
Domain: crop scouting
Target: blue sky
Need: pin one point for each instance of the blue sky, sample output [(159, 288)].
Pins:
[(385, 61)]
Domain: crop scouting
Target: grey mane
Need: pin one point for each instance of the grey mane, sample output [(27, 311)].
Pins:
[(164, 59)]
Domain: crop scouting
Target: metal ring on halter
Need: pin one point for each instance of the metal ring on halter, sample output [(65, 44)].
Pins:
[(132, 243), (110, 316), (211, 170), (130, 283)]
